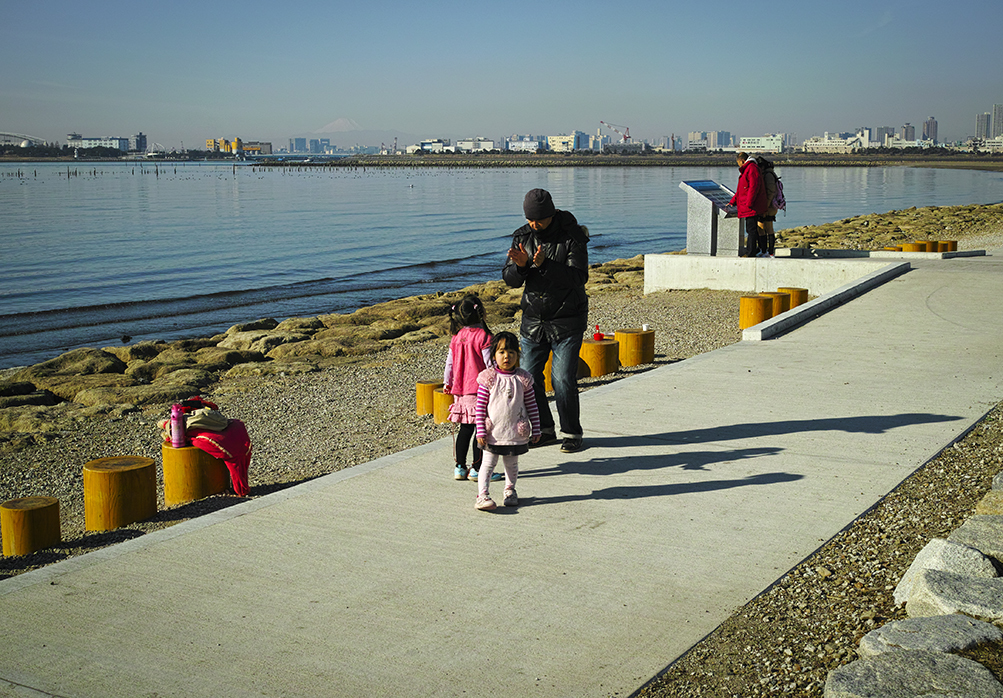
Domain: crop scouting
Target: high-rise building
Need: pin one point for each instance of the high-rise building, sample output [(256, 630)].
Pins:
[(997, 120), (908, 132), (930, 130), (983, 125), (881, 131), (298, 145), (718, 139)]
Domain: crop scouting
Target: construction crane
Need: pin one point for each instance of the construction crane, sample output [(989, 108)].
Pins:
[(624, 134)]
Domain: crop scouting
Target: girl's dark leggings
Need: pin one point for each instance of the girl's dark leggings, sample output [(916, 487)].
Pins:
[(464, 439)]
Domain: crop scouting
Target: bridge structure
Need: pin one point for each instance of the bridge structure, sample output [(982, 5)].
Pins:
[(6, 137)]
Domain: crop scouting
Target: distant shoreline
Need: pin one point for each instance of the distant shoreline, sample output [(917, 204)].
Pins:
[(992, 163)]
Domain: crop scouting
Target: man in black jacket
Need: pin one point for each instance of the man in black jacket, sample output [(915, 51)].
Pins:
[(550, 256)]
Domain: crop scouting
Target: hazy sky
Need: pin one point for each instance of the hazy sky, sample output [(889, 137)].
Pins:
[(184, 71)]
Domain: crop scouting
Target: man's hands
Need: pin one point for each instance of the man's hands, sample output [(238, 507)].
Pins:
[(520, 256)]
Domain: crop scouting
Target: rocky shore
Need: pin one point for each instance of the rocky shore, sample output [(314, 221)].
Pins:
[(323, 394)]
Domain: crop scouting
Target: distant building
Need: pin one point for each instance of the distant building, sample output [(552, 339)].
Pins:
[(526, 144), (828, 144), (435, 145), (599, 141), (992, 145), (75, 140), (718, 140), (257, 148), (297, 145), (475, 145), (930, 130), (997, 120), (568, 143), (762, 144), (894, 141), (137, 143), (315, 146), (983, 125), (908, 132), (881, 132)]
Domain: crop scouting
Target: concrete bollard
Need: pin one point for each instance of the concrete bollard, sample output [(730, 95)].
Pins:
[(119, 491), (440, 411), (425, 395), (29, 524), (797, 295), (637, 346), (753, 310), (191, 474)]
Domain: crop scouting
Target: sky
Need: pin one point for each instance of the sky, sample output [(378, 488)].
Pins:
[(185, 71)]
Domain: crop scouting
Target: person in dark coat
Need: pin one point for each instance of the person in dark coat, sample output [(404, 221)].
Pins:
[(549, 255), (750, 200)]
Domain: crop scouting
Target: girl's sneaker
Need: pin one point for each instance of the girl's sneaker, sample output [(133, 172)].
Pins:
[(460, 473), (485, 504), (474, 474), (511, 498)]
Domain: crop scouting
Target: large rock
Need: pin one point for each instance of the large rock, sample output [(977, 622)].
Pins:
[(998, 481), (912, 674), (67, 387), (273, 368), (78, 362), (934, 633), (221, 357), (936, 593), (984, 533), (944, 555), (326, 348), (991, 504), (261, 341), (156, 394), (140, 350), (265, 323), (35, 397), (307, 325)]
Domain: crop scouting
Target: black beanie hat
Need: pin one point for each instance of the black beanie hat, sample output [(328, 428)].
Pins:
[(538, 205)]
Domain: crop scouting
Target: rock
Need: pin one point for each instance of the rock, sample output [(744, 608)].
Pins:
[(35, 397), (197, 377), (909, 674), (991, 504), (16, 388), (934, 633), (261, 341), (222, 357), (67, 387), (262, 324), (193, 345), (947, 556), (998, 481), (984, 533), (936, 593), (78, 362), (140, 350), (345, 346), (423, 335), (630, 278), (300, 324), (156, 394)]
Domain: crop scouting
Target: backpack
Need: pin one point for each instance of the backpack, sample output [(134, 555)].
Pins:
[(774, 188)]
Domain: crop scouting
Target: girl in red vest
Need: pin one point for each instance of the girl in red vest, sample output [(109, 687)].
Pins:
[(469, 354)]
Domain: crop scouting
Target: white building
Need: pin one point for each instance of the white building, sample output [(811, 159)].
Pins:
[(475, 145), (75, 140), (526, 144), (436, 145), (894, 141), (762, 144), (992, 145)]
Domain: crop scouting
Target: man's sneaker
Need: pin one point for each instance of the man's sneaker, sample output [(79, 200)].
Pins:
[(571, 444), (460, 473), (511, 499), (485, 504), (545, 438)]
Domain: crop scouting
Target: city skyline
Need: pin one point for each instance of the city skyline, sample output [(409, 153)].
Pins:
[(453, 70)]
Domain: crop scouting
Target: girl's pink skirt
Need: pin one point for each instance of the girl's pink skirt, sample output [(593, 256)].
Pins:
[(464, 409)]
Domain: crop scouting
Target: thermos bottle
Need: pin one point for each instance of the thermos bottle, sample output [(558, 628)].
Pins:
[(178, 437)]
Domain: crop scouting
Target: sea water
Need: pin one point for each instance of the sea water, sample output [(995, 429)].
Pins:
[(94, 252)]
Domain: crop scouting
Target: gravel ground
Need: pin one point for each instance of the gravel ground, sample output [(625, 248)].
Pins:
[(784, 642)]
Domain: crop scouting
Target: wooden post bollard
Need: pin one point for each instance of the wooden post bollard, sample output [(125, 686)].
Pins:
[(952, 245), (425, 396), (601, 356), (797, 295), (637, 346), (753, 310), (29, 524), (191, 474), (913, 247), (119, 491), (440, 411), (892, 248), (781, 301)]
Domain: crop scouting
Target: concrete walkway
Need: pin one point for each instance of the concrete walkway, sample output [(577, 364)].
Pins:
[(702, 483)]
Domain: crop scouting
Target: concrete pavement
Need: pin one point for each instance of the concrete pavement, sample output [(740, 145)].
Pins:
[(701, 484)]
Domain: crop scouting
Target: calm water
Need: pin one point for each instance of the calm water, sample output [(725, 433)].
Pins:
[(94, 252)]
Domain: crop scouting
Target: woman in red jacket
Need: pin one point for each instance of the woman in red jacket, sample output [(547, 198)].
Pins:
[(750, 200)]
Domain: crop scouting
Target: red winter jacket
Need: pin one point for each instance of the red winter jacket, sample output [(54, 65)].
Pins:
[(751, 195)]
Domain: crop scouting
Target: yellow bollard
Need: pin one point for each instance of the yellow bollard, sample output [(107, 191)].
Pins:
[(753, 310), (601, 356), (29, 524), (913, 247), (781, 302), (425, 396), (191, 474), (797, 295), (119, 491), (952, 245), (637, 346), (440, 412)]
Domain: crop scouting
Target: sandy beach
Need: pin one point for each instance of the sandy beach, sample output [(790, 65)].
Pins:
[(319, 413)]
